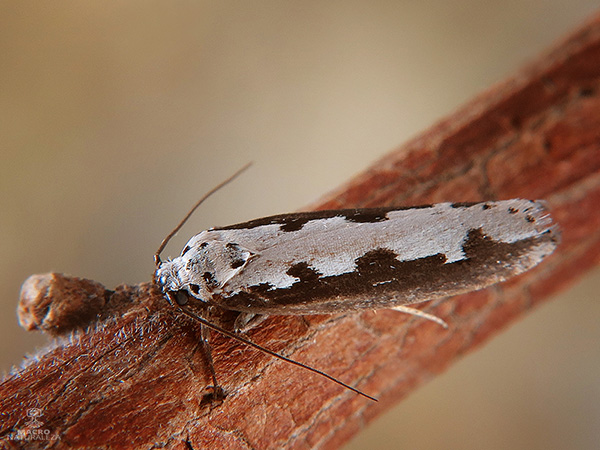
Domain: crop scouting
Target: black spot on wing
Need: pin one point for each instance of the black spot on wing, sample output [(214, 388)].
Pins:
[(366, 215), (210, 279), (237, 255), (237, 263), (195, 289), (304, 272), (293, 223), (464, 204), (383, 261)]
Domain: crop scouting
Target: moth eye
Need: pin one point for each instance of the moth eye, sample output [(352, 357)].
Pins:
[(181, 298)]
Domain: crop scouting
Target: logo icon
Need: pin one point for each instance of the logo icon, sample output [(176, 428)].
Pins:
[(33, 429)]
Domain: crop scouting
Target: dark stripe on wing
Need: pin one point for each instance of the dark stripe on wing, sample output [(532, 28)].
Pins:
[(295, 221)]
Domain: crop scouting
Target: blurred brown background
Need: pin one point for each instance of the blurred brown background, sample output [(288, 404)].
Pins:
[(116, 116)]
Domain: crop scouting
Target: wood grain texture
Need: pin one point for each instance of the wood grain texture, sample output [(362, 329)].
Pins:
[(137, 379)]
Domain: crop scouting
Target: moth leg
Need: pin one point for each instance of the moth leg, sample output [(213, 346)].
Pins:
[(245, 321), (419, 313), (217, 393)]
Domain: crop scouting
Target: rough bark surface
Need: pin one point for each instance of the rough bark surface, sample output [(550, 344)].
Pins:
[(137, 378)]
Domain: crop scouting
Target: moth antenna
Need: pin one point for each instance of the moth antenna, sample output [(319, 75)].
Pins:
[(234, 336), (166, 240)]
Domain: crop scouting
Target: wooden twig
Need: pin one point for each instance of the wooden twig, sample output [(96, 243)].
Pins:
[(136, 378)]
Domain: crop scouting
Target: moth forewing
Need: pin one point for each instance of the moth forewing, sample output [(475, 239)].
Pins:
[(334, 261)]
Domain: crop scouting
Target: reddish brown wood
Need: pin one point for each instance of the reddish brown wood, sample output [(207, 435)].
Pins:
[(138, 379)]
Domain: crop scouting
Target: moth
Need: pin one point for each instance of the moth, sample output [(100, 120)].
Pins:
[(338, 261)]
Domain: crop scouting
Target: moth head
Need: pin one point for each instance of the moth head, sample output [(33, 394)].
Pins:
[(167, 279), (174, 281)]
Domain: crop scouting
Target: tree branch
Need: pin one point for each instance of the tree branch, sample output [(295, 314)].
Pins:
[(137, 367)]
